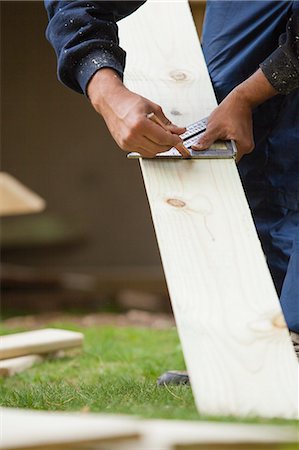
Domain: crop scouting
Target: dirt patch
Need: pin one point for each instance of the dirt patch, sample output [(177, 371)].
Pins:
[(134, 318)]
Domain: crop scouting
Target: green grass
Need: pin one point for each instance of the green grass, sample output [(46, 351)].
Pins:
[(115, 373)]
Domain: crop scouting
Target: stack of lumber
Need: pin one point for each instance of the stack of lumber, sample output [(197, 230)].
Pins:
[(20, 351), (47, 430)]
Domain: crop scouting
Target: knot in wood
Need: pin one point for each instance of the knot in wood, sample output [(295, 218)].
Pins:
[(174, 112), (176, 202), (178, 75)]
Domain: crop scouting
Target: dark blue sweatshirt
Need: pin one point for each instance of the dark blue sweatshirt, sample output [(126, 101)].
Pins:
[(85, 38)]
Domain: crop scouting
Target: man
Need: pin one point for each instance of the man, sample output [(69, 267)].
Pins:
[(252, 53)]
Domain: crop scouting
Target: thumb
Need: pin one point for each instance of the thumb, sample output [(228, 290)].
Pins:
[(175, 129), (205, 141)]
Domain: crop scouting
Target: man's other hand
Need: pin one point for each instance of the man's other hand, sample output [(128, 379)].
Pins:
[(125, 115), (232, 119)]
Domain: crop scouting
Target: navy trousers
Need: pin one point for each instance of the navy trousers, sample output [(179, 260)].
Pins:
[(237, 37)]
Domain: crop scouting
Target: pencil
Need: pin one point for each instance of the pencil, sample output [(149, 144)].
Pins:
[(180, 146)]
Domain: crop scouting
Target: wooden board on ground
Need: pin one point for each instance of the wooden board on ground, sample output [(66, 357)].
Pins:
[(15, 198), (11, 366), (194, 435), (24, 429), (38, 342), (235, 342), (44, 429)]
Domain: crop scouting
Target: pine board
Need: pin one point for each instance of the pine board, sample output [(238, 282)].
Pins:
[(38, 342), (48, 430), (15, 198), (193, 435), (11, 366), (236, 345), (60, 430)]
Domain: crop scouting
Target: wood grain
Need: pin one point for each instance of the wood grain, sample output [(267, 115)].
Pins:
[(38, 342), (236, 346)]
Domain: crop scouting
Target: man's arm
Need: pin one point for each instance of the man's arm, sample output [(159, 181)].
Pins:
[(90, 61), (84, 35), (279, 73), (282, 67)]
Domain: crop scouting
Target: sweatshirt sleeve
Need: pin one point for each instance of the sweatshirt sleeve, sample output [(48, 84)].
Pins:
[(281, 68), (85, 38)]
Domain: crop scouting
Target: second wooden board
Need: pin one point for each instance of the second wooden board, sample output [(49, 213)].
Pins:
[(47, 430), (11, 366), (38, 341)]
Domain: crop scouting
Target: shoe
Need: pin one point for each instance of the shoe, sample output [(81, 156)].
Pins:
[(173, 377), (295, 340)]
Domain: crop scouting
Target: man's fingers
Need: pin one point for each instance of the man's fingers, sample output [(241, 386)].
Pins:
[(183, 150), (158, 135), (151, 147), (161, 134), (168, 124), (151, 134), (206, 140), (176, 130)]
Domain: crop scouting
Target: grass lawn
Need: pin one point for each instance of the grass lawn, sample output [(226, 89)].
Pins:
[(115, 373)]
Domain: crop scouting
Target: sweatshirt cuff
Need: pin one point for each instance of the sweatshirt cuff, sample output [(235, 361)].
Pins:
[(280, 72), (98, 59)]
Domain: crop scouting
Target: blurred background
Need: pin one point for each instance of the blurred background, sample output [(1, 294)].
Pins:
[(94, 247)]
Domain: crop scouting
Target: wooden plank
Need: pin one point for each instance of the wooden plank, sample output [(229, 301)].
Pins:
[(237, 446), (38, 341), (15, 198), (236, 346), (11, 366), (208, 435), (44, 429), (47, 430), (194, 435)]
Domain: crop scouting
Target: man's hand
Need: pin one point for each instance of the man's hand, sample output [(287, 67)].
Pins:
[(125, 115), (232, 119)]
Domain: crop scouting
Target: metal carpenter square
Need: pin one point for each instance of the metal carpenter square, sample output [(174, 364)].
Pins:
[(220, 149)]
